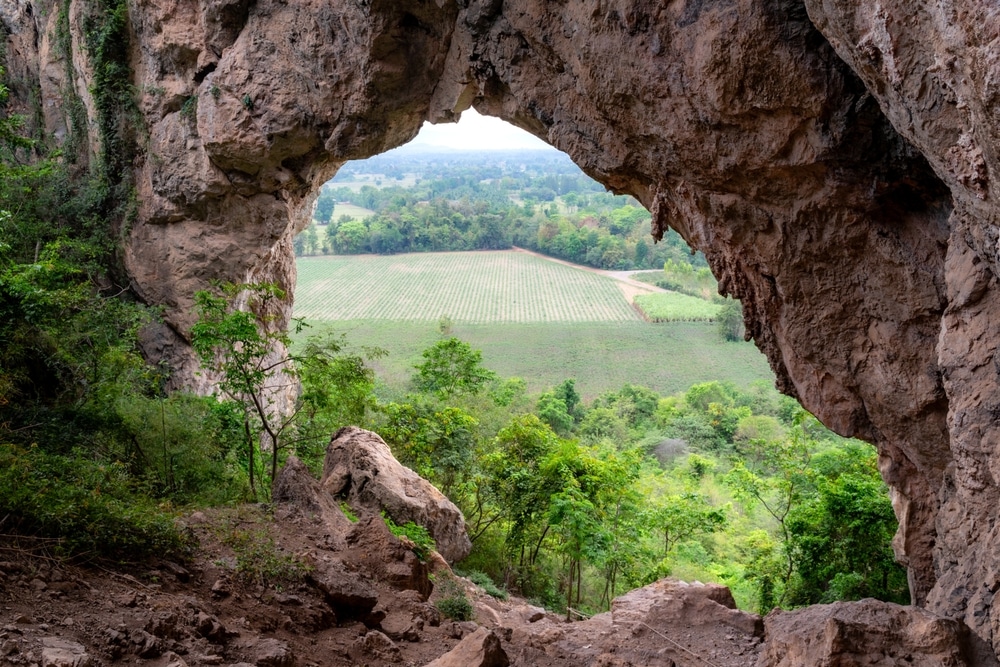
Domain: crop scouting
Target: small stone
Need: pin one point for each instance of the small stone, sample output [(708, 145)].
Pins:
[(274, 653), (59, 652), (174, 660), (180, 573), (147, 646), (210, 628), (38, 585), (401, 625), (376, 645), (460, 630), (23, 619), (531, 613), (220, 588)]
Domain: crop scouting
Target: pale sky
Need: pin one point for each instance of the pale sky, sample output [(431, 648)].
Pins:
[(476, 132)]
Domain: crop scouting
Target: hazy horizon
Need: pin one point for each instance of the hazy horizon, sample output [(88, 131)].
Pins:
[(477, 132)]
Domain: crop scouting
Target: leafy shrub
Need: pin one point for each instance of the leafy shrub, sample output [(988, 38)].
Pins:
[(87, 507), (423, 543), (259, 559), (484, 581), (730, 321), (453, 602), (457, 608), (178, 445)]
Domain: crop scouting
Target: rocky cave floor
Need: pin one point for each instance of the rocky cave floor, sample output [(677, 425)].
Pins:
[(362, 597), (363, 602)]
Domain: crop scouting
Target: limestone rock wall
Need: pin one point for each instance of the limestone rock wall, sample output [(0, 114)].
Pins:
[(831, 158)]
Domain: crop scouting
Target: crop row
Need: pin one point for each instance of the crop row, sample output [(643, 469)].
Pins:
[(676, 307), (476, 287)]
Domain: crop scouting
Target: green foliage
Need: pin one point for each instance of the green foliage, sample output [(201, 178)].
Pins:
[(450, 367), (94, 452), (680, 517), (246, 352), (89, 509), (446, 326), (841, 537), (453, 603), (181, 447), (554, 412), (602, 424), (484, 581), (683, 276), (730, 320), (259, 561), (189, 110), (107, 40), (517, 480), (348, 512), (423, 543), (437, 442), (337, 390), (568, 394)]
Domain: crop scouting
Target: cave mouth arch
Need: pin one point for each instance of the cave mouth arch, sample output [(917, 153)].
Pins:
[(807, 203), (385, 178)]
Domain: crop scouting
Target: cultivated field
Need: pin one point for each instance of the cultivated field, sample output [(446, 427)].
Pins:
[(356, 212), (573, 323), (470, 287), (676, 307)]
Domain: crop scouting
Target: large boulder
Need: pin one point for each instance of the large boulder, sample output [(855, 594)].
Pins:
[(669, 602), (360, 467), (664, 624), (349, 595), (380, 555), (480, 649), (869, 633)]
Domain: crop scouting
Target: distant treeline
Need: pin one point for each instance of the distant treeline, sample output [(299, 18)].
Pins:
[(548, 206)]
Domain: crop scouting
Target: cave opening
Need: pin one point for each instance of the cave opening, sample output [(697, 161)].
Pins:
[(542, 243), (471, 233)]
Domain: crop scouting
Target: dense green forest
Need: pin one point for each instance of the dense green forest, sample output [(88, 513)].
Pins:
[(414, 201), (574, 503), (568, 503)]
